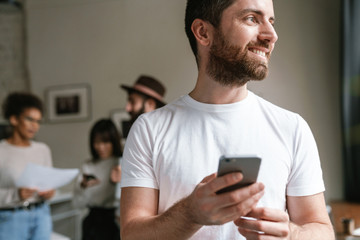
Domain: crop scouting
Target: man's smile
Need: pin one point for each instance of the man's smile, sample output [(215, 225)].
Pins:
[(260, 51)]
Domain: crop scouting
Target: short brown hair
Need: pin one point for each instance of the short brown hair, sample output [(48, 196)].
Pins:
[(207, 10)]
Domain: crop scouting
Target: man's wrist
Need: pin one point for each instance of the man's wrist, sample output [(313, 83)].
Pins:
[(188, 215)]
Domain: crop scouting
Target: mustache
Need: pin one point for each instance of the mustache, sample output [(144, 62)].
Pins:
[(263, 44)]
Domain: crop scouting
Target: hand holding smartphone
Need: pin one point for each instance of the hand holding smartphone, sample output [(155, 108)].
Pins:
[(247, 165), (89, 180), (89, 177)]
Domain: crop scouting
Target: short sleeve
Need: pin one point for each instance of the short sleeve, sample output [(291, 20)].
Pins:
[(137, 163), (306, 174)]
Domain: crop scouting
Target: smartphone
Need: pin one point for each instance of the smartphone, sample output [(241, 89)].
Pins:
[(248, 165), (89, 177)]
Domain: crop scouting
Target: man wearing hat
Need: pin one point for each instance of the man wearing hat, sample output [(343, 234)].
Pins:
[(144, 96)]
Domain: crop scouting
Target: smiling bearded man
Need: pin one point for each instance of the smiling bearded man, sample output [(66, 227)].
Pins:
[(172, 154)]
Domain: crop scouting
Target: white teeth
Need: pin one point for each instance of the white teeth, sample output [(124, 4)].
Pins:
[(258, 52)]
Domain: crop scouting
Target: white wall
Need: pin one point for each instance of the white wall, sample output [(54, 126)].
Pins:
[(108, 42)]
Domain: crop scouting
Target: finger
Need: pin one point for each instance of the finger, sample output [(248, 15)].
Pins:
[(45, 192), (93, 182), (48, 194), (30, 192), (235, 211), (269, 214), (29, 189), (224, 181), (275, 229), (249, 235), (116, 174), (116, 169), (240, 195)]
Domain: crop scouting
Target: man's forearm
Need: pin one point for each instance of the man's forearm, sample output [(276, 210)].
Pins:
[(313, 231), (175, 223)]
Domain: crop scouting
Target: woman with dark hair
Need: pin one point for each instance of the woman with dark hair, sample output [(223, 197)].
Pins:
[(24, 214), (96, 186)]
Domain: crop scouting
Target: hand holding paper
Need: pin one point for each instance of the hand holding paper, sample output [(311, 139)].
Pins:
[(46, 194), (45, 178)]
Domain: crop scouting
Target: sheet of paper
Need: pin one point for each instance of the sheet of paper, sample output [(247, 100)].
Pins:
[(45, 178)]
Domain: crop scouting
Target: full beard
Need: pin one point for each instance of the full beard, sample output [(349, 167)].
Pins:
[(231, 66)]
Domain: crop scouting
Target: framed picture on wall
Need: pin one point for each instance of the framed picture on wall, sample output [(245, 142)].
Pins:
[(68, 103), (122, 121)]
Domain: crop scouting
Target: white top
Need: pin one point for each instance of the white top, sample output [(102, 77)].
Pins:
[(102, 194), (13, 160), (173, 148)]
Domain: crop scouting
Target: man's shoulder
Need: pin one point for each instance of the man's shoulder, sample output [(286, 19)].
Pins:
[(274, 108), (279, 116), (164, 111)]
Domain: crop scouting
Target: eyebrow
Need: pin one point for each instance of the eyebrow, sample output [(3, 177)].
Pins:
[(257, 12)]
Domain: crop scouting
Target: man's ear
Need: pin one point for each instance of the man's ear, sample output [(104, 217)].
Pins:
[(202, 31), (150, 105)]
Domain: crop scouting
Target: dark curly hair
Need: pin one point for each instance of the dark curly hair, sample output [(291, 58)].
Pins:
[(207, 10), (16, 102), (107, 131)]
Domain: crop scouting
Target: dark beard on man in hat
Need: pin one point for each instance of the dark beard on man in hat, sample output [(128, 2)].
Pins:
[(135, 115)]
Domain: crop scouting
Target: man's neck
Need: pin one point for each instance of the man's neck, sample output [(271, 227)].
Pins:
[(207, 90)]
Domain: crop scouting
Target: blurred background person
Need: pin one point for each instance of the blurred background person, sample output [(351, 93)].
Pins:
[(96, 185), (24, 214), (146, 95)]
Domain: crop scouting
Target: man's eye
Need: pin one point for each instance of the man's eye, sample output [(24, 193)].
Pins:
[(251, 19)]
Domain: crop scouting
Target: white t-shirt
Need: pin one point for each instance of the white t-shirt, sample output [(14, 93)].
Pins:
[(13, 160), (173, 148)]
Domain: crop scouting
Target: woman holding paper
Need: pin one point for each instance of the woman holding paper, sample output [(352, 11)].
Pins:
[(96, 185), (24, 214)]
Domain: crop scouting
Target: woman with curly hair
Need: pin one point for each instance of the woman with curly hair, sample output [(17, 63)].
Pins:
[(24, 213)]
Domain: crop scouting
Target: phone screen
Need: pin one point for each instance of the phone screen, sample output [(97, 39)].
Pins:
[(89, 177)]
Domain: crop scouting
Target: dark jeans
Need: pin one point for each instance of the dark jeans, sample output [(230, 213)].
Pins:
[(100, 224)]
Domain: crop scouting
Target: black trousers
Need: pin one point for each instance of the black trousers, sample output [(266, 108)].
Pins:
[(100, 224)]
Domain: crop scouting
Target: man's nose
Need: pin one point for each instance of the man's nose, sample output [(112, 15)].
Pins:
[(128, 107), (268, 33)]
